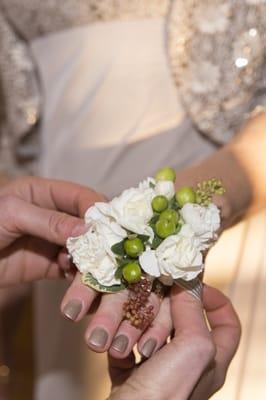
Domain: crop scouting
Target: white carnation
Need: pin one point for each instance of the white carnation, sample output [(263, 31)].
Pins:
[(165, 188), (149, 263), (92, 252), (204, 221), (178, 256), (132, 209)]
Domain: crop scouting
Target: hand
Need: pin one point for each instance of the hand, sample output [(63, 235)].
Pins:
[(107, 331), (194, 364), (34, 225)]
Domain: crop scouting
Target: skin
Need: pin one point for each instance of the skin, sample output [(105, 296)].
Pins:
[(245, 193), (27, 240), (36, 217), (194, 363)]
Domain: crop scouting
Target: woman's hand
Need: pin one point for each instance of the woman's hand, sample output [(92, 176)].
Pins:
[(194, 364), (36, 217), (107, 329)]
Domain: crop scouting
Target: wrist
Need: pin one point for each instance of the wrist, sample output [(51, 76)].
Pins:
[(4, 179), (222, 165)]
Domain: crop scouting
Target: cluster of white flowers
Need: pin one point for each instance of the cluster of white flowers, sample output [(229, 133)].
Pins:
[(178, 256)]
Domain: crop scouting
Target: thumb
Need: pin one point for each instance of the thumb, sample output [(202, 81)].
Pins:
[(17, 218)]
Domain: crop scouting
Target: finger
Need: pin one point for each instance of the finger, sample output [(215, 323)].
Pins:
[(224, 322), (64, 260), (105, 322), (77, 300), (21, 263), (187, 313), (68, 197), (187, 355), (19, 217), (226, 332), (127, 335), (120, 369), (156, 335)]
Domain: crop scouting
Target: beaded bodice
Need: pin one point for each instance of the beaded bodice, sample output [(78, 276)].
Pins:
[(216, 52)]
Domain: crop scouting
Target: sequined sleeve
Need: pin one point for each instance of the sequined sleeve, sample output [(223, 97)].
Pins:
[(217, 55), (20, 100)]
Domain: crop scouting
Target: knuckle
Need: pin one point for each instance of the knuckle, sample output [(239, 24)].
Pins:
[(201, 344), (23, 181), (205, 348), (8, 205), (163, 329), (58, 224)]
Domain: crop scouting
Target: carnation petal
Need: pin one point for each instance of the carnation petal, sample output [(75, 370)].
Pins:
[(165, 188), (149, 263)]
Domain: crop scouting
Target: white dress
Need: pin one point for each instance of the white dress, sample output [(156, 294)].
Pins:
[(111, 117)]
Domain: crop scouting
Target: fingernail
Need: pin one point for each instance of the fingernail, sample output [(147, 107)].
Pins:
[(98, 337), (65, 262), (120, 343), (72, 309), (79, 229), (148, 348)]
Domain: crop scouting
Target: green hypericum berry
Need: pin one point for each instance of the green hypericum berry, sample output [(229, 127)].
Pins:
[(132, 272), (170, 215), (185, 195), (159, 203), (165, 228), (165, 174), (133, 247)]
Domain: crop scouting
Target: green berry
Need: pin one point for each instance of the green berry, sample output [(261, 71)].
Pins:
[(165, 174), (132, 272), (185, 195), (159, 203), (170, 215), (133, 247), (165, 228)]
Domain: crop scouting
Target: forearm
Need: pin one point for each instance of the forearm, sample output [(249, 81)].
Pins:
[(242, 167), (4, 178)]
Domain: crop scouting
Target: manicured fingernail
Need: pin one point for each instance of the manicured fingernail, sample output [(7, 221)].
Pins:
[(120, 343), (98, 337), (72, 309), (65, 262), (79, 229), (148, 348)]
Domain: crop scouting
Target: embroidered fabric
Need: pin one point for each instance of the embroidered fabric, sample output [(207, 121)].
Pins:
[(216, 53)]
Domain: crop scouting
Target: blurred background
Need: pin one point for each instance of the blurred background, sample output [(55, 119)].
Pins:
[(236, 265)]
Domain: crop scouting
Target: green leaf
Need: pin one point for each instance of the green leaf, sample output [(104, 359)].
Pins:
[(178, 228), (144, 238), (156, 242), (173, 204), (154, 220), (118, 248), (119, 272), (152, 185), (90, 281), (124, 261)]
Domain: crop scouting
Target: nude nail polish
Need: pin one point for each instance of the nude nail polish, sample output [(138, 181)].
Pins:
[(72, 309), (120, 343), (148, 348), (98, 338)]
